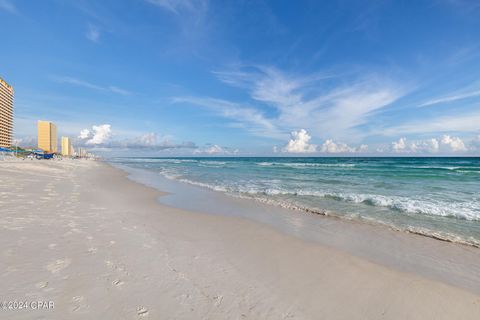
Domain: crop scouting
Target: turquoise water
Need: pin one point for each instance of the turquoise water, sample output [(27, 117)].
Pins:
[(437, 197)]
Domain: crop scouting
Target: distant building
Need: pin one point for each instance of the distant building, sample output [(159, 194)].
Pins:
[(81, 152), (67, 149), (47, 136), (6, 114)]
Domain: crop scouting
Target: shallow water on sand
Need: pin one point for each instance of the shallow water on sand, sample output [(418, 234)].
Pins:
[(448, 262), (436, 197)]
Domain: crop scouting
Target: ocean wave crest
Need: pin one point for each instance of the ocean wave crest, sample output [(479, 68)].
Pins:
[(305, 164), (459, 210)]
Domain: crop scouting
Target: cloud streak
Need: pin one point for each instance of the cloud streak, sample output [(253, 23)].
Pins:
[(311, 102), (8, 6), (440, 124), (175, 6), (241, 115), (93, 33), (451, 98), (92, 86)]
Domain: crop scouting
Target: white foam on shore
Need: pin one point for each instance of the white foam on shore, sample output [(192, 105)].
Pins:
[(464, 211), (396, 203)]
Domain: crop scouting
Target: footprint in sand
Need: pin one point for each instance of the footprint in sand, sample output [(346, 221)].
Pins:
[(41, 285), (218, 300), (80, 304), (58, 265), (72, 224), (117, 283), (142, 311)]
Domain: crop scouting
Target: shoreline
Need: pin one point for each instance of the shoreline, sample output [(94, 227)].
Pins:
[(447, 226), (352, 236), (98, 244)]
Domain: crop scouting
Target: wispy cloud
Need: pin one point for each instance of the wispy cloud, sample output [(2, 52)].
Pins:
[(441, 124), (176, 6), (313, 102), (241, 115), (119, 90), (459, 95), (89, 85), (8, 6), (93, 33)]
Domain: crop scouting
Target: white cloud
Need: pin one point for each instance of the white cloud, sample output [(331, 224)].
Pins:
[(93, 33), (444, 144), (299, 143), (400, 145), (362, 148), (152, 141), (453, 144), (148, 139), (98, 135), (426, 146), (89, 85), (101, 137), (215, 149), (329, 146), (84, 134), (475, 143), (7, 6)]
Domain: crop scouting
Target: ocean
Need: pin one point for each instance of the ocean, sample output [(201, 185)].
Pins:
[(435, 197)]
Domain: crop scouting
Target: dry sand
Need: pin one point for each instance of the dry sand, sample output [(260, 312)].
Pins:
[(100, 246)]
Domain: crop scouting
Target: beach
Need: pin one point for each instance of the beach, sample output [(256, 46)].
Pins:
[(91, 243)]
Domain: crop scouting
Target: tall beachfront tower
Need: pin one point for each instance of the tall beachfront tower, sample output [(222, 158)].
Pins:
[(6, 114), (47, 136), (67, 149)]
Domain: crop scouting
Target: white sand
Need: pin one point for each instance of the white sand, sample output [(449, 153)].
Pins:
[(99, 246)]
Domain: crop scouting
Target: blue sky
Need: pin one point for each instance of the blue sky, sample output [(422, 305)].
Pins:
[(165, 77)]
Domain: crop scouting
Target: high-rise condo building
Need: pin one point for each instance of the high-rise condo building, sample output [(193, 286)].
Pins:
[(81, 152), (6, 114), (47, 136), (67, 149)]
